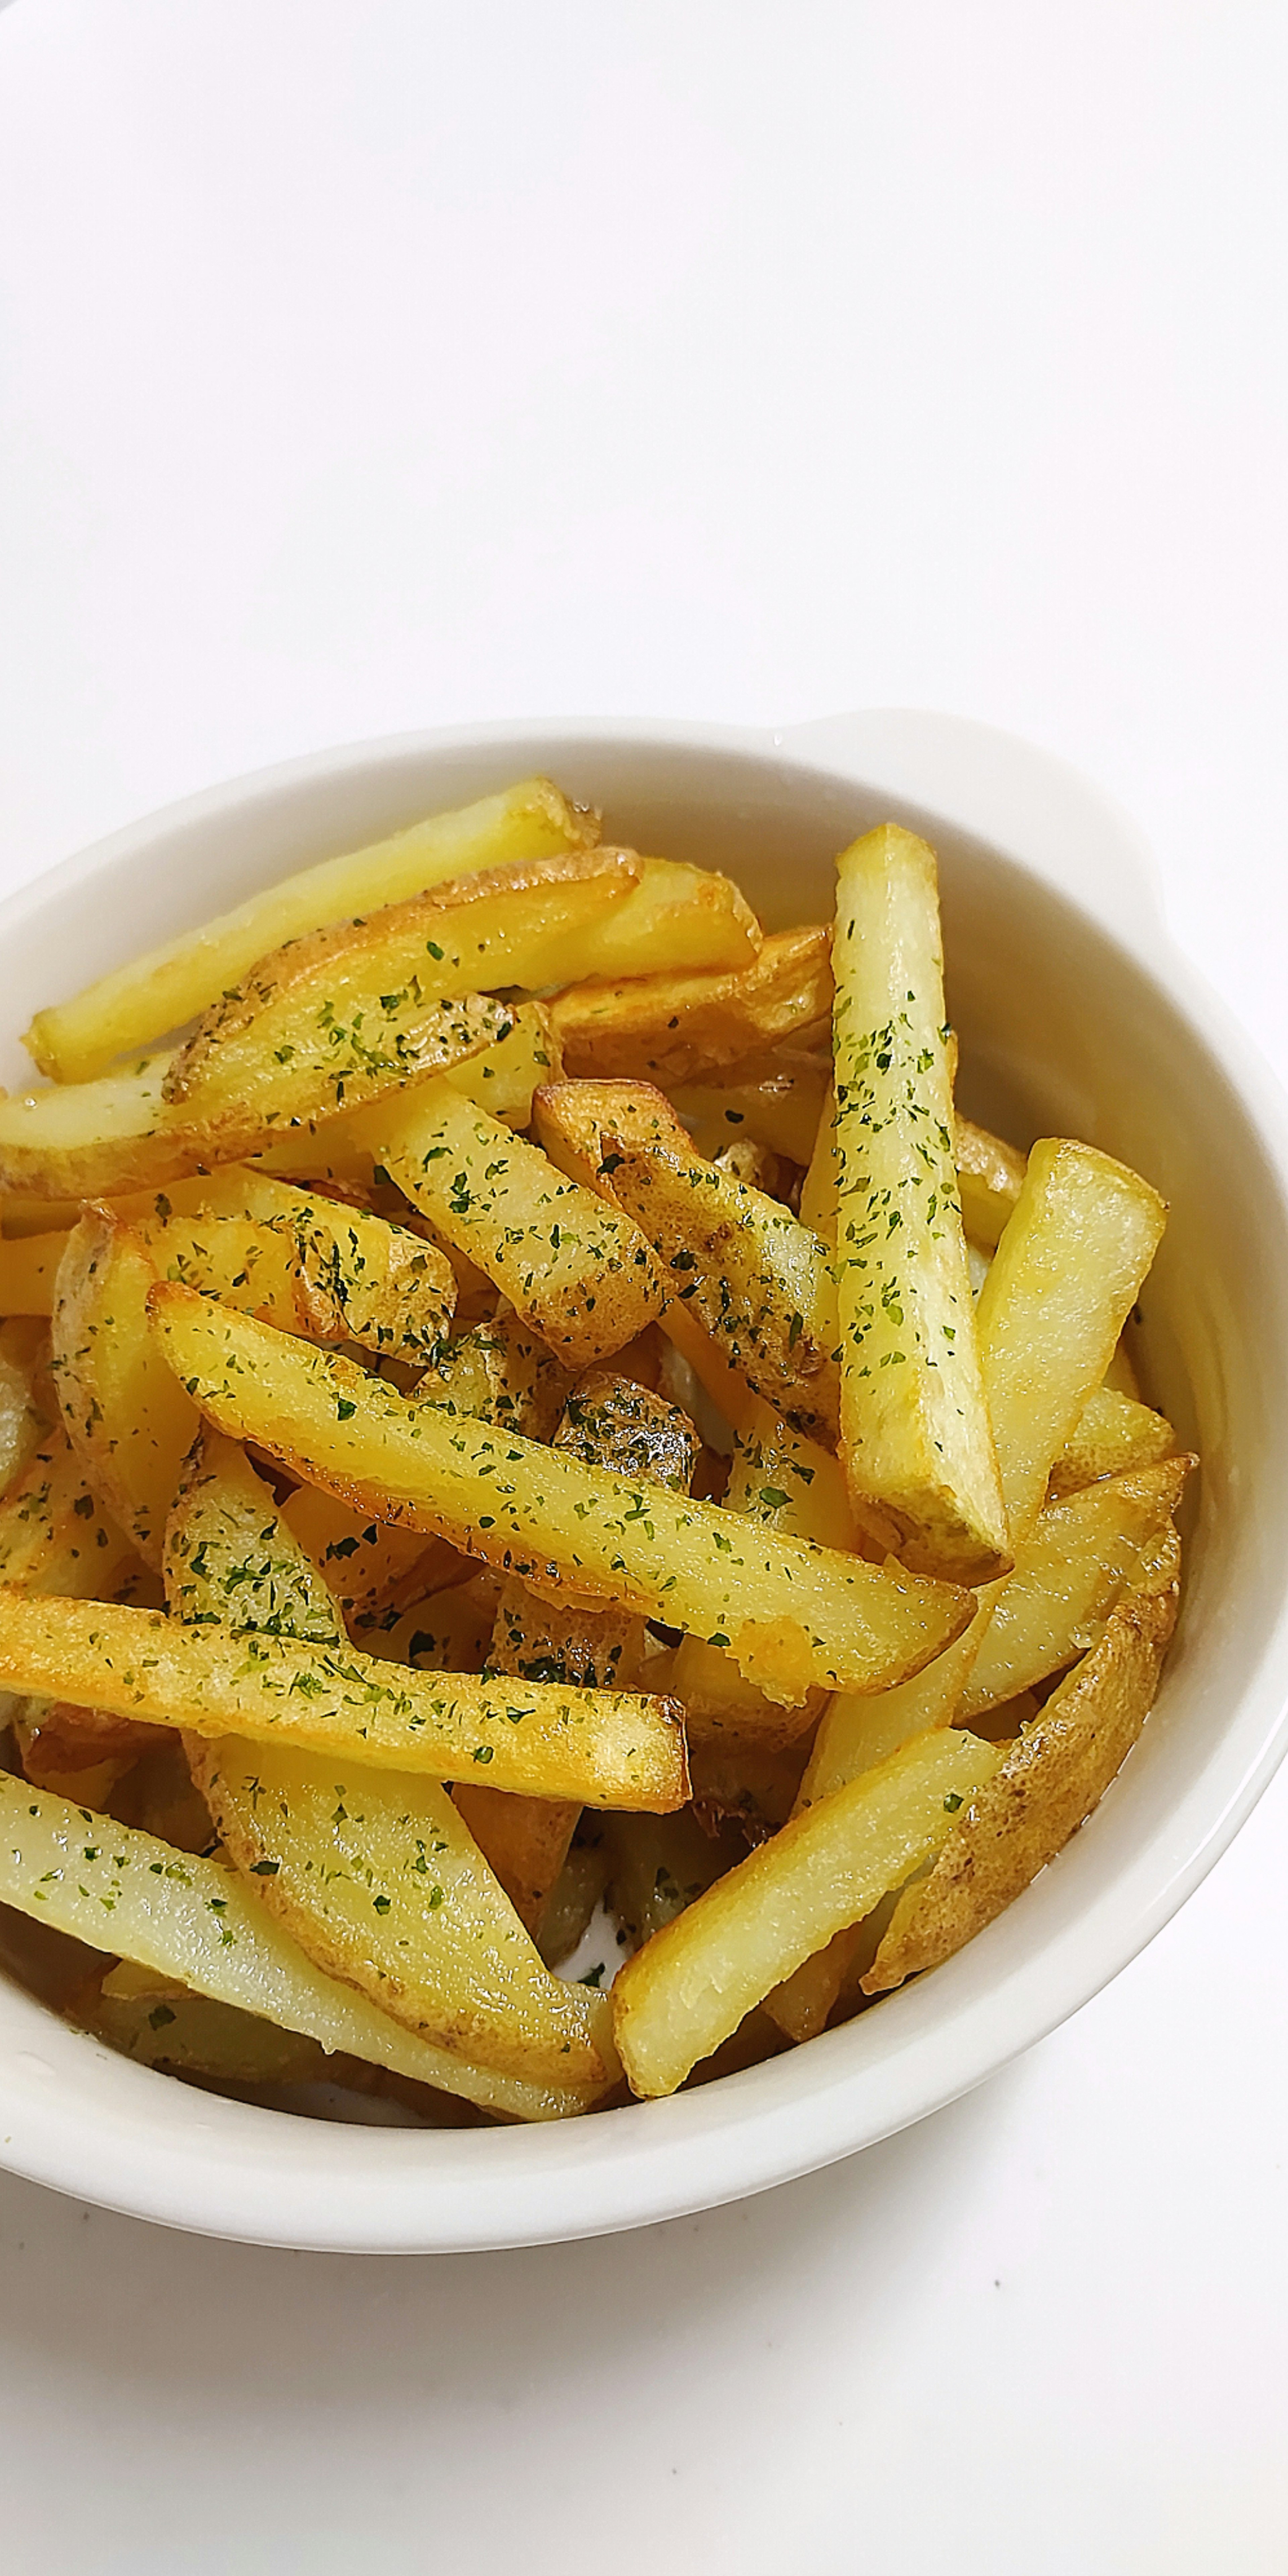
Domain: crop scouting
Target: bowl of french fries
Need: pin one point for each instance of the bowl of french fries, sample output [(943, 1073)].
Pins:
[(606, 1587)]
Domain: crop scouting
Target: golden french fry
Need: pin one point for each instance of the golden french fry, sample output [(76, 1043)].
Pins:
[(502, 1080), (193, 1920), (692, 1984), (138, 1003), (1112, 1435), (776, 1099), (28, 1403), (126, 1415), (500, 1371), (794, 1615), (915, 1433), (678, 1028), (758, 1282), (54, 1535), (365, 1565), (1052, 1778), (314, 1266), (603, 1748), (449, 1632), (230, 1559), (990, 1177), (574, 1270), (28, 1269)]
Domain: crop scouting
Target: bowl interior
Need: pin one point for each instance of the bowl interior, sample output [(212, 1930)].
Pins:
[(1062, 1031)]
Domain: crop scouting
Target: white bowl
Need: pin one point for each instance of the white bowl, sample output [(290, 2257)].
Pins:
[(1076, 1016)]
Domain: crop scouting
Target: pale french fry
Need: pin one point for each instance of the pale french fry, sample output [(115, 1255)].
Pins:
[(804, 2003), (990, 1177), (160, 2023), (1052, 1778), (572, 1268), (230, 1559), (1080, 1556), (794, 1615), (691, 1985), (28, 1404), (1112, 1435), (126, 1415), (758, 1281), (138, 1003), (54, 1535), (822, 1176), (193, 1920), (602, 1748), (680, 920), (608, 1421), (776, 1099), (915, 1433), (678, 1028)]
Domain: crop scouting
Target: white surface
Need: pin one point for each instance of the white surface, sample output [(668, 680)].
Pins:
[(379, 367)]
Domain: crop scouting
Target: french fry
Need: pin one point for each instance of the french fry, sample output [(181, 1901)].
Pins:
[(28, 1404), (915, 1433), (1078, 1560), (603, 1748), (658, 1865), (744, 1780), (192, 1920), (28, 1269), (680, 920), (131, 1007), (365, 1565), (312, 1266), (127, 1417), (572, 1268), (160, 2023), (573, 1899), (608, 1421), (681, 1028), (231, 1560), (502, 1080), (794, 1615), (1052, 1778), (758, 1282), (990, 1177), (1112, 1435), (449, 1632), (54, 1535), (692, 1984), (819, 1188), (776, 1099), (500, 1371)]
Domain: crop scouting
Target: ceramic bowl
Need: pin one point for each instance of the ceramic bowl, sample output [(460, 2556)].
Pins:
[(1076, 1015)]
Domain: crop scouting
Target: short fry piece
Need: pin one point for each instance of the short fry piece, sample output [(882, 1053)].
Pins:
[(573, 1269), (915, 1431), (316, 1267), (1112, 1435), (126, 1415), (793, 1615), (54, 1536), (192, 1920), (694, 1981), (1053, 1776), (776, 1099), (136, 1004), (502, 1372), (231, 1559), (990, 1177), (681, 1028)]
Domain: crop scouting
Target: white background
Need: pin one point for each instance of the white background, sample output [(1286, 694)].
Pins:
[(373, 363)]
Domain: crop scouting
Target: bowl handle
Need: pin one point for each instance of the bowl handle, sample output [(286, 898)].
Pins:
[(1023, 801)]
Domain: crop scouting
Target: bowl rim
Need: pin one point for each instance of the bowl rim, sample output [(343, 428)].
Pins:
[(158, 2150)]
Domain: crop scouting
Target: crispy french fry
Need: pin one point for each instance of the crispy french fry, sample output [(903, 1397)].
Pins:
[(194, 1921), (691, 1985), (1079, 1558), (1112, 1435), (915, 1433), (138, 1003), (758, 1282), (1052, 1778), (678, 1028), (500, 1371), (794, 1615), (574, 1270), (776, 1099), (316, 1267), (365, 1565), (54, 1535), (230, 1559), (502, 1080), (126, 1415), (990, 1177), (602, 1748)]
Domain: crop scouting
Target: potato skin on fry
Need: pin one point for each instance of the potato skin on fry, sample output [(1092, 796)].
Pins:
[(684, 1028), (1054, 1775)]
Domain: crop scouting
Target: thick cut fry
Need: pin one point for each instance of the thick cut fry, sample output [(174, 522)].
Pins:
[(573, 1269), (683, 1028), (316, 1267), (659, 1864), (129, 1421), (758, 1281), (1113, 1434), (599, 1747), (691, 1985), (501, 1080), (794, 1615), (990, 1177), (365, 1565), (160, 2023), (54, 1535), (1053, 1776), (231, 1560), (193, 1920), (609, 1422), (500, 1371), (1068, 1576), (570, 1120), (138, 1003), (775, 1099), (383, 1886), (915, 1433), (96, 1138)]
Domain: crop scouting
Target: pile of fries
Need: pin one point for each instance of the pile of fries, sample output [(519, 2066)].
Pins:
[(532, 1434)]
